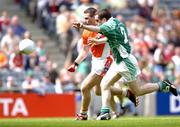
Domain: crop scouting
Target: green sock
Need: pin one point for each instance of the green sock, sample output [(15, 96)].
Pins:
[(163, 86), (105, 110)]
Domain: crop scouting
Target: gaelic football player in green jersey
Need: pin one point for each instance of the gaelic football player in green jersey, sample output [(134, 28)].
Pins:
[(125, 66)]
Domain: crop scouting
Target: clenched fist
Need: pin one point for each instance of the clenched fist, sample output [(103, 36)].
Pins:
[(73, 67), (77, 25)]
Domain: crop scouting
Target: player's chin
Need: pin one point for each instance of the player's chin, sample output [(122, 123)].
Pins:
[(75, 26)]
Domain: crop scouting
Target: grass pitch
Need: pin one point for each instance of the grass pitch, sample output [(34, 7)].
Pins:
[(70, 122)]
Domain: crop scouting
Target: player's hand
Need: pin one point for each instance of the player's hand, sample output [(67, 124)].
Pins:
[(72, 68), (77, 25), (91, 41)]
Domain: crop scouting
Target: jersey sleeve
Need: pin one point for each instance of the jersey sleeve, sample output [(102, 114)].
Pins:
[(85, 37), (104, 29)]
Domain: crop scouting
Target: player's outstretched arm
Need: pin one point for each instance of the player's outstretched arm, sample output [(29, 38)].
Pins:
[(87, 27), (91, 28)]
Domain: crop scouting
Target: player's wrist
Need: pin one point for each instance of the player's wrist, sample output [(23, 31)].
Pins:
[(76, 64), (82, 25)]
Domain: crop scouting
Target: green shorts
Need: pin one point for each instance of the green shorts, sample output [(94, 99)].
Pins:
[(128, 69)]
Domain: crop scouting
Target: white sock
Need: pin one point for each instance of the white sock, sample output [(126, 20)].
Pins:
[(83, 112)]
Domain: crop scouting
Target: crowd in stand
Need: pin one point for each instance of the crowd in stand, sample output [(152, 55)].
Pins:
[(18, 72), (153, 27)]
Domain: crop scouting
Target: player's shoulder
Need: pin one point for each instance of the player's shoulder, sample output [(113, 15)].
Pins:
[(87, 33)]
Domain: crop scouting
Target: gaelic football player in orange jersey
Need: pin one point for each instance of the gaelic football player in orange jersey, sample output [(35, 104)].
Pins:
[(101, 61)]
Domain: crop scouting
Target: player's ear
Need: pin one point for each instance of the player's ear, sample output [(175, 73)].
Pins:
[(104, 20)]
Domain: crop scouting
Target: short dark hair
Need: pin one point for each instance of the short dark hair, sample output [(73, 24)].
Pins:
[(104, 13), (91, 11)]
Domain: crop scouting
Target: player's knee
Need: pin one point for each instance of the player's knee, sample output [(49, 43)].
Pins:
[(84, 89), (104, 86), (97, 92)]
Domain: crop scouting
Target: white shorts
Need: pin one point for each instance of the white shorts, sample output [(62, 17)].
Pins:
[(101, 66), (128, 69)]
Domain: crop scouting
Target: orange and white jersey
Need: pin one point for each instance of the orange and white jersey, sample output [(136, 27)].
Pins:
[(100, 51), (101, 54)]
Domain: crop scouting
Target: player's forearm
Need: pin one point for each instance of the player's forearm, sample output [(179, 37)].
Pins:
[(101, 40), (82, 55), (91, 28), (97, 41)]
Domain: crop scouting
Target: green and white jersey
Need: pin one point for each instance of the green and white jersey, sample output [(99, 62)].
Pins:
[(118, 40)]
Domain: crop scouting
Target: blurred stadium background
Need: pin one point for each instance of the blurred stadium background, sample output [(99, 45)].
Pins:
[(40, 86)]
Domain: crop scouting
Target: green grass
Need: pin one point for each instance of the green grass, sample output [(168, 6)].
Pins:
[(69, 122)]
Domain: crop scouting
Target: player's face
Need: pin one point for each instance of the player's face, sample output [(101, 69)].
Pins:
[(88, 19), (101, 21), (97, 20)]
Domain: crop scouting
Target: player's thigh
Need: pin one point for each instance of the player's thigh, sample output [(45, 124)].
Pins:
[(134, 86), (117, 87), (90, 81), (101, 66), (110, 77), (119, 84)]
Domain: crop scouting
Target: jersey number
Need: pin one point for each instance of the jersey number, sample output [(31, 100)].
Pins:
[(123, 32)]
